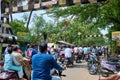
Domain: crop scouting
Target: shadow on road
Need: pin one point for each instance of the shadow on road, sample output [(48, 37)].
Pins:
[(79, 65)]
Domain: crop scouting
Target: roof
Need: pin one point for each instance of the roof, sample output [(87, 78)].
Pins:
[(66, 43)]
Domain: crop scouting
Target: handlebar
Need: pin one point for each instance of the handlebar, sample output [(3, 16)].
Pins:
[(60, 74)]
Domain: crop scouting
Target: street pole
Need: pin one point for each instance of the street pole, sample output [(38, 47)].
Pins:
[(0, 40), (0, 11)]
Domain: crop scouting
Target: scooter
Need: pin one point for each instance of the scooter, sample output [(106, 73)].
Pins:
[(109, 67)]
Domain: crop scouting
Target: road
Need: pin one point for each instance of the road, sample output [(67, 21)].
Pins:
[(79, 72)]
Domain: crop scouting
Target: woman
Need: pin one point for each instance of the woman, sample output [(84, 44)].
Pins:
[(9, 64)]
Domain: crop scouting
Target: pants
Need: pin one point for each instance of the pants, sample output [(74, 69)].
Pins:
[(56, 78), (19, 70)]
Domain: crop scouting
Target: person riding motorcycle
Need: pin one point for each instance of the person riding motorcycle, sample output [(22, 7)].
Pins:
[(42, 63)]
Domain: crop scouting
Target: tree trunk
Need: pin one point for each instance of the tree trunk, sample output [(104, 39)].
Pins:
[(45, 37)]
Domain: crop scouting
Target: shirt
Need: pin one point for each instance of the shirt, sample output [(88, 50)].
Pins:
[(41, 66), (9, 63), (85, 50), (31, 52), (68, 53)]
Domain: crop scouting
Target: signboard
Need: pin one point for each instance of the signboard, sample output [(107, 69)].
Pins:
[(116, 35), (23, 36)]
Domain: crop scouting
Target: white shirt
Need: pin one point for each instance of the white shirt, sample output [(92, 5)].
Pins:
[(68, 53), (80, 49), (76, 50)]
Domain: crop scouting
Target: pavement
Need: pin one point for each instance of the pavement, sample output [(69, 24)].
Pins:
[(79, 72)]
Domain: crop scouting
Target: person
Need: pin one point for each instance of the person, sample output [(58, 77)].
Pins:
[(6, 49), (24, 62), (112, 77), (42, 63), (68, 55), (10, 63), (31, 51)]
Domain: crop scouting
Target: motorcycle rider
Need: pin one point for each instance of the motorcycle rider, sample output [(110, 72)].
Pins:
[(11, 63), (42, 63), (68, 55)]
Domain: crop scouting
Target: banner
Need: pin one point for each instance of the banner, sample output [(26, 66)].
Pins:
[(23, 36), (116, 35)]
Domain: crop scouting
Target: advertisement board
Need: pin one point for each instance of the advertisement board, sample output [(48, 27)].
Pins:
[(116, 35), (24, 36)]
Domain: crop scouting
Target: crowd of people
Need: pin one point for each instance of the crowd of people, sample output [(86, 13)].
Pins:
[(39, 63)]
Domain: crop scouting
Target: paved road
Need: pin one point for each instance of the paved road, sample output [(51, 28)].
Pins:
[(79, 72)]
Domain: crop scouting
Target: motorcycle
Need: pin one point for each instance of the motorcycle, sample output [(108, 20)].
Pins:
[(109, 67), (54, 72), (69, 62), (9, 74), (92, 64), (77, 58), (62, 59)]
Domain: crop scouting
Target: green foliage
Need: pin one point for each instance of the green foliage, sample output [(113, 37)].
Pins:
[(89, 18), (18, 26)]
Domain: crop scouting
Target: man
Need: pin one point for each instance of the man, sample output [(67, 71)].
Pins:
[(69, 56), (31, 51), (24, 62), (42, 63)]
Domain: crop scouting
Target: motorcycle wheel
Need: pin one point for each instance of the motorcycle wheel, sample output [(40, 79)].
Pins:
[(105, 74), (92, 70)]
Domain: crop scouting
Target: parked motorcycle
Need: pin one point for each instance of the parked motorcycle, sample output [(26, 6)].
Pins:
[(109, 67)]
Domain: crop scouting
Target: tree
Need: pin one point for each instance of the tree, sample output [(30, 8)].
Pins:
[(18, 26), (100, 15), (39, 25)]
